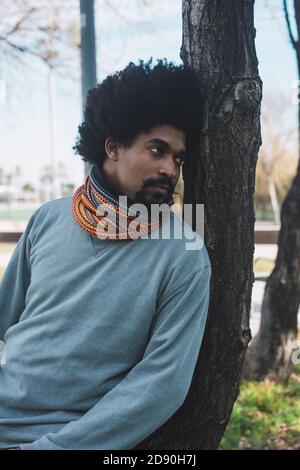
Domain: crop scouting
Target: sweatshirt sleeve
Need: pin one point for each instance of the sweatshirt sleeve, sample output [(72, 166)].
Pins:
[(154, 388), (15, 282)]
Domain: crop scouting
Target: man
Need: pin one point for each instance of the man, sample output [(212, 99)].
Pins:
[(102, 334)]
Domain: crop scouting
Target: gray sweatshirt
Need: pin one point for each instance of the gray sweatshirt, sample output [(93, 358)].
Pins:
[(101, 336)]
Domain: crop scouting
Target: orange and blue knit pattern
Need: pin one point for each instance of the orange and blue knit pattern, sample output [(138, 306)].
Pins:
[(85, 208)]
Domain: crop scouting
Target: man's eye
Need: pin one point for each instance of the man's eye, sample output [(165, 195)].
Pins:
[(154, 149)]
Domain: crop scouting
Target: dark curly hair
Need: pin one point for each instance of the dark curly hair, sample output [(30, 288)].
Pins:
[(135, 100)]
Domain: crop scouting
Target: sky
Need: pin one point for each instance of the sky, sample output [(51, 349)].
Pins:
[(24, 114)]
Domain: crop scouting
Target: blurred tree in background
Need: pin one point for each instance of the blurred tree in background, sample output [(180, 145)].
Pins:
[(40, 29), (277, 162), (270, 352)]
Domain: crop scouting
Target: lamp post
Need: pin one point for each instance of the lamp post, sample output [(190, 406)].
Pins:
[(88, 53)]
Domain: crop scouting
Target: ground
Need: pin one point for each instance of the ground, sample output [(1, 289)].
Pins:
[(265, 416)]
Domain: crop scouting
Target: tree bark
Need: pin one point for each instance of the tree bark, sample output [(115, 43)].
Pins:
[(270, 352), (269, 355), (218, 43)]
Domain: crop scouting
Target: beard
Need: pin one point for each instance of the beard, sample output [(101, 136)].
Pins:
[(145, 197)]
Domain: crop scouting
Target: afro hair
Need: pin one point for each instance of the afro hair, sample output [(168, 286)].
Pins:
[(135, 100)]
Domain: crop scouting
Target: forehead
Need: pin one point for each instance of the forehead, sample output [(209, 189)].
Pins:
[(169, 134)]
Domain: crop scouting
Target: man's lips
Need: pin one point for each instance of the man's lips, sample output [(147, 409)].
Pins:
[(161, 187)]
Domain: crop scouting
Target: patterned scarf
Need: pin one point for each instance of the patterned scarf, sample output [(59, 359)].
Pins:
[(114, 224)]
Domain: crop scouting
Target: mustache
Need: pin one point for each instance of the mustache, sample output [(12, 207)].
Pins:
[(161, 181)]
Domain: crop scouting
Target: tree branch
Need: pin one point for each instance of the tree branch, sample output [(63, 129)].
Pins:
[(297, 16), (23, 49), (19, 23), (287, 18)]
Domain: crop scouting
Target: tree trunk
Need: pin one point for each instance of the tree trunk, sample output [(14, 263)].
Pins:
[(218, 42), (270, 352)]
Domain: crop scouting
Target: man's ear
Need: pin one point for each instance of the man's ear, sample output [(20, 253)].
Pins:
[(111, 149)]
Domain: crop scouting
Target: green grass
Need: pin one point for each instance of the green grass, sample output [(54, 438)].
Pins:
[(265, 416), (16, 214)]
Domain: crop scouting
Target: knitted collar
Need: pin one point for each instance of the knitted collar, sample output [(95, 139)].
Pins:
[(116, 219)]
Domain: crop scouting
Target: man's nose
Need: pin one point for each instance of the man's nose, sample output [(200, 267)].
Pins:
[(169, 169)]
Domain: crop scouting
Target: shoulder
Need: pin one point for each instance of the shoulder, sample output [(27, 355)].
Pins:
[(185, 251), (53, 208), (190, 246), (48, 212), (186, 259)]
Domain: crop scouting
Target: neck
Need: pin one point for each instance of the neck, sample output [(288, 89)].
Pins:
[(106, 181)]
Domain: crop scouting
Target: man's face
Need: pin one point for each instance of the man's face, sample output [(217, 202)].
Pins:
[(153, 159)]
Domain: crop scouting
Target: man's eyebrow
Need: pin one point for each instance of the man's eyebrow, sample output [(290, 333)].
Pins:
[(165, 145)]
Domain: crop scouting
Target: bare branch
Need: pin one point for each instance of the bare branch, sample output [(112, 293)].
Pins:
[(23, 49), (287, 18), (19, 23), (297, 16)]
